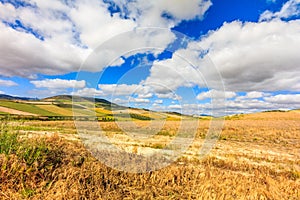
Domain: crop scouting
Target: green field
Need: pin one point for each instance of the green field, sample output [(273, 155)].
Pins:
[(56, 109), (30, 108), (63, 106)]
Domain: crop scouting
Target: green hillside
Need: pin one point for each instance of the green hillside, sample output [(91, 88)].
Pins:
[(30, 108), (65, 105)]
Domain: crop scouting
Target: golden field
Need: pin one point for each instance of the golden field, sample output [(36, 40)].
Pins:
[(257, 156)]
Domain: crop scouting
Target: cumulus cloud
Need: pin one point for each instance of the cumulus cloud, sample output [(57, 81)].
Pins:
[(140, 91), (24, 55), (216, 95), (145, 95), (88, 92), (57, 37), (240, 104), (58, 84), (95, 24), (284, 99), (247, 105), (249, 56), (162, 13), (277, 102), (143, 40), (7, 83), (127, 93), (170, 95), (138, 100), (288, 10), (251, 102), (120, 89), (53, 38), (254, 95), (176, 106), (168, 75), (254, 56), (158, 101)]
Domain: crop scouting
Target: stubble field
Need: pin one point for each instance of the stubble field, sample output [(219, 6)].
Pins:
[(257, 156)]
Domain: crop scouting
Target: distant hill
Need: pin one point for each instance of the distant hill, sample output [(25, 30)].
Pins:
[(70, 98), (58, 97), (98, 101), (8, 97), (67, 105)]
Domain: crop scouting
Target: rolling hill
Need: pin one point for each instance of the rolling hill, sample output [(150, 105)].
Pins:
[(8, 97), (65, 106), (62, 107)]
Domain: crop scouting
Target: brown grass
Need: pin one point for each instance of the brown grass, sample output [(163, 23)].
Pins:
[(257, 157)]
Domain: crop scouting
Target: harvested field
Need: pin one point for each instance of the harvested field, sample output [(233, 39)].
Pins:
[(14, 112), (256, 157)]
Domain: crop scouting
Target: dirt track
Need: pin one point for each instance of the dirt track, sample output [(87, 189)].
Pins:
[(14, 112)]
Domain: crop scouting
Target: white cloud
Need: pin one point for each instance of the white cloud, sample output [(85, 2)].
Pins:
[(289, 9), (254, 95), (169, 96), (145, 95), (151, 13), (249, 56), (95, 24), (58, 36), (134, 92), (140, 90), (70, 32), (58, 84), (138, 100), (255, 56), (24, 55), (215, 94), (176, 106), (141, 40), (120, 89), (54, 5), (248, 105), (168, 75), (1, 92), (190, 109), (88, 92), (7, 83), (158, 101), (284, 99)]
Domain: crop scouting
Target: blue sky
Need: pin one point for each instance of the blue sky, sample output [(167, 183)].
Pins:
[(197, 56)]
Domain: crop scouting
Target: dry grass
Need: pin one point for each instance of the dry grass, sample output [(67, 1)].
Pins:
[(257, 157), (79, 176)]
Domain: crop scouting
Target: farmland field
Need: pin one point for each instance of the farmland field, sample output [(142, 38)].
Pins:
[(257, 156), (56, 109), (30, 108)]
